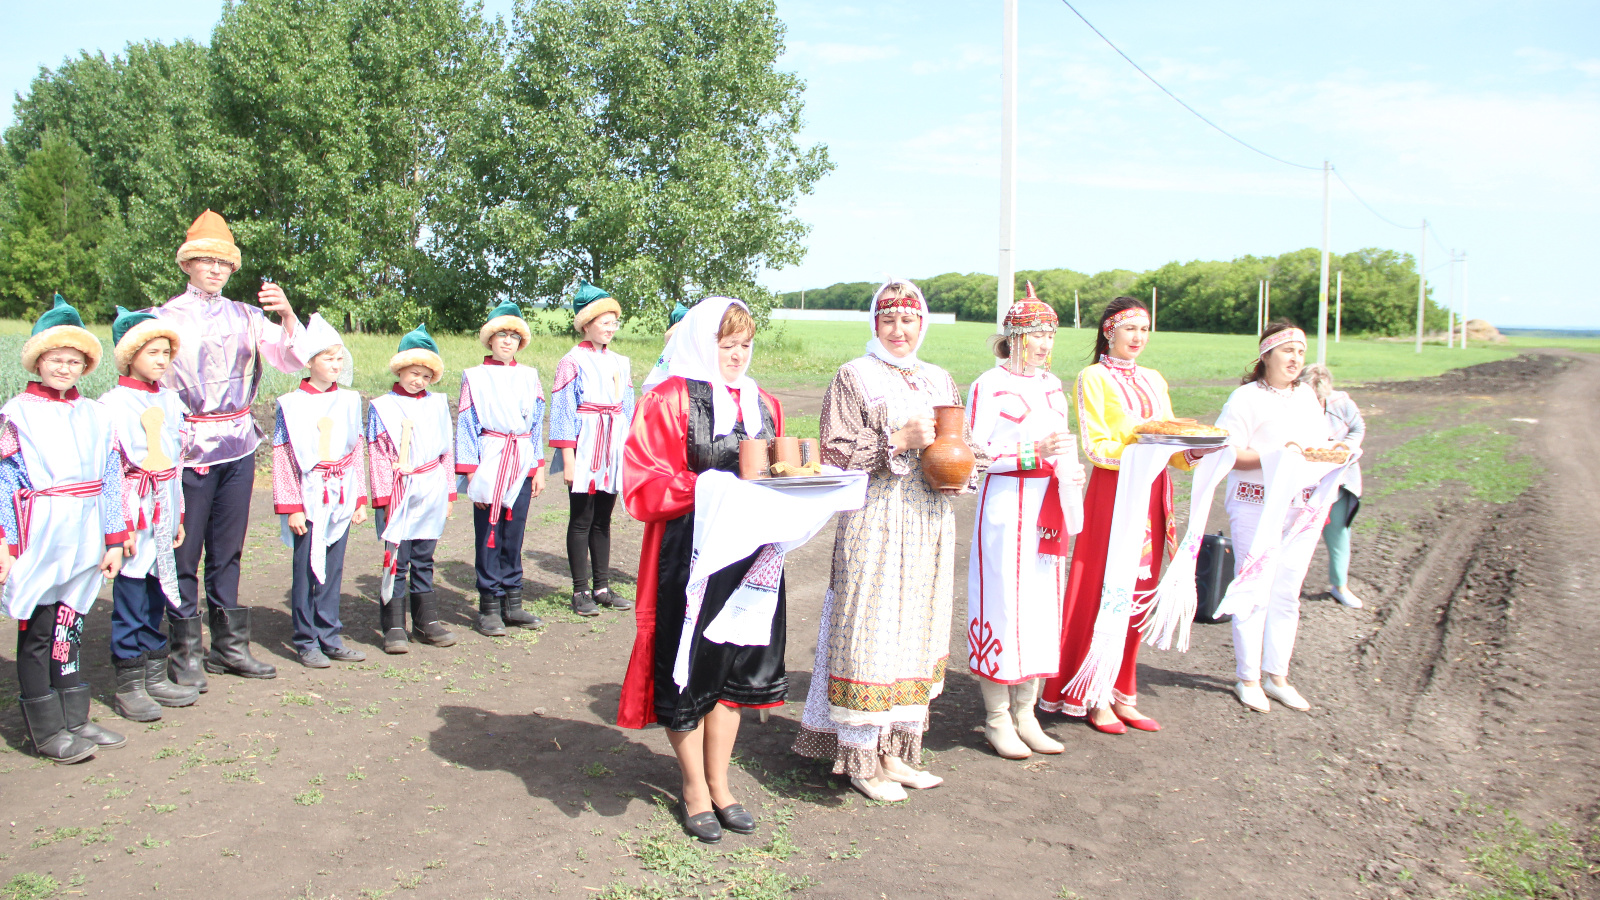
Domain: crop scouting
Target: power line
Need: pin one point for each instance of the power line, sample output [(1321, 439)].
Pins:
[(1197, 114), (1364, 203)]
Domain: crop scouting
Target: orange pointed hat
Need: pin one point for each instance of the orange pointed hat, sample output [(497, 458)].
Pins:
[(209, 236)]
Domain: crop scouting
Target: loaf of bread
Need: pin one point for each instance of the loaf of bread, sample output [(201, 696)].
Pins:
[(1337, 454), (1184, 427)]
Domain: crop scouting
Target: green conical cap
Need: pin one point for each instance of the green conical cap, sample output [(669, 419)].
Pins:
[(62, 313), (419, 339), (126, 319), (587, 294), (677, 314), (506, 308)]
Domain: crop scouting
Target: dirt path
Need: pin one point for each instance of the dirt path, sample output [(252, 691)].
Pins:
[(492, 770)]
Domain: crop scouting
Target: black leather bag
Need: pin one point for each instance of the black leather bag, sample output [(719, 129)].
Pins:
[(1213, 572)]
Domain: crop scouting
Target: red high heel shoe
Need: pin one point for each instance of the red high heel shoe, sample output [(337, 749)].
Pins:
[(1114, 726), (1143, 723)]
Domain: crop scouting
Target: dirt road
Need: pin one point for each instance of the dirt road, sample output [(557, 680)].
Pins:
[(491, 769)]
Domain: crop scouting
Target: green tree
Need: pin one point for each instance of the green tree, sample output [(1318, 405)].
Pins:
[(52, 231), (654, 150)]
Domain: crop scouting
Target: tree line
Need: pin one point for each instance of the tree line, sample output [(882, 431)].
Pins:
[(396, 161), (1380, 292)]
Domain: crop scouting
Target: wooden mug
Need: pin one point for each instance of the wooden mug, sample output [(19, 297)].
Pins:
[(753, 460), (786, 450)]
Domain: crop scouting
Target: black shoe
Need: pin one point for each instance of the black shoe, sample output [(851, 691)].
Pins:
[(735, 818), (392, 621), (47, 727), (230, 645), (160, 689), (489, 622), (608, 598), (75, 711), (344, 654), (583, 603), (514, 614), (131, 701), (425, 624), (184, 653), (703, 827)]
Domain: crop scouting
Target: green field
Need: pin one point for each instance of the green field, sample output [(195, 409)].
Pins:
[(1201, 368)]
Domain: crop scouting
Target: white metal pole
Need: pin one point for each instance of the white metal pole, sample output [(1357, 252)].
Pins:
[(1422, 282), (1322, 290), (1008, 161), (1463, 299), (1338, 307), (1450, 305), (1266, 308), (1261, 307), (1152, 310), (1077, 321)]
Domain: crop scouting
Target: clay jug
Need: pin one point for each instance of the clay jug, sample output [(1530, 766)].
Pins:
[(947, 463)]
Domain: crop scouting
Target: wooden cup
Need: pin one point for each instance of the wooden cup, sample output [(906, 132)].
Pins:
[(753, 460), (786, 450), (810, 452)]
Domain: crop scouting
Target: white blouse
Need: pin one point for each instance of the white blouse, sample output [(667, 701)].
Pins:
[(1260, 418)]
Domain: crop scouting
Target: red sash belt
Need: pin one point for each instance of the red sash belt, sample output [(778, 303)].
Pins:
[(509, 469), (397, 491), (1052, 521), (602, 437), (144, 484), (336, 469), (24, 504), (217, 417)]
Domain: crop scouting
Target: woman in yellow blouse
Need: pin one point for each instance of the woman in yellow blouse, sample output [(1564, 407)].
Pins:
[(1115, 394)]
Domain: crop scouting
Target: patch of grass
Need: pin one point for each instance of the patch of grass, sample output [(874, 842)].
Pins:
[(293, 698), (308, 798), (29, 886), (682, 866), (47, 838), (1519, 863), (555, 607), (1476, 455), (596, 770)]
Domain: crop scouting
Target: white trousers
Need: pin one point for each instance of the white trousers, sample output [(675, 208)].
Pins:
[(1263, 638)]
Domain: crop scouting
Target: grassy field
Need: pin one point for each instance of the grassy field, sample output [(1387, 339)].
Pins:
[(1201, 368)]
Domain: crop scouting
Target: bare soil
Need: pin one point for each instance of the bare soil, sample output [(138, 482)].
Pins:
[(492, 769)]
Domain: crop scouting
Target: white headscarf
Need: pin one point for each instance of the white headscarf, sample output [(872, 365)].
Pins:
[(694, 356), (317, 336), (875, 347)]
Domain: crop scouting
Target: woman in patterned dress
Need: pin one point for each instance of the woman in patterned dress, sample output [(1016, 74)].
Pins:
[(1114, 394), (884, 638)]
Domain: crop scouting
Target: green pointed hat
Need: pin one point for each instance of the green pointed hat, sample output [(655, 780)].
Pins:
[(677, 314), (61, 326), (130, 331), (590, 303), (417, 348), (505, 317)]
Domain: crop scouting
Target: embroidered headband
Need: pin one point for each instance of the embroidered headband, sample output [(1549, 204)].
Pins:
[(1278, 339), (911, 302), (1132, 312)]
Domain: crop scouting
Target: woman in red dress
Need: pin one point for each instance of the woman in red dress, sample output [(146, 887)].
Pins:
[(689, 423)]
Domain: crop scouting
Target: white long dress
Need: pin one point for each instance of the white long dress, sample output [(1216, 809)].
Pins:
[(1014, 590)]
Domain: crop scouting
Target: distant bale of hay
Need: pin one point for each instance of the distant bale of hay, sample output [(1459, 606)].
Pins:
[(1480, 330)]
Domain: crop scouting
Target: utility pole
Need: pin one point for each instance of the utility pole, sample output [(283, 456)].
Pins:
[(1450, 305), (1266, 308), (802, 299), (1152, 310), (1077, 321), (1422, 282), (1008, 162), (1338, 307), (1322, 290), (1463, 299), (1261, 307)]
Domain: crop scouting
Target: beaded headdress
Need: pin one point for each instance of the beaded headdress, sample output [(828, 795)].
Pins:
[(1029, 315)]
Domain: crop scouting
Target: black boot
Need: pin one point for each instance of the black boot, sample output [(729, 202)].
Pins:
[(392, 619), (47, 726), (159, 688), (131, 701), (607, 597), (75, 710), (425, 624), (515, 615), (489, 622), (583, 603), (183, 646), (230, 645)]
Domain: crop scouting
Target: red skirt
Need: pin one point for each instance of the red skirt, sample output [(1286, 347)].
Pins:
[(1081, 605)]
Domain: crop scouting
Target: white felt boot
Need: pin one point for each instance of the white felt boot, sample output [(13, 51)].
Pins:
[(998, 728), (1023, 697)]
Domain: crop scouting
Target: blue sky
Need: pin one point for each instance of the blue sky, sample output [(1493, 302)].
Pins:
[(1483, 117)]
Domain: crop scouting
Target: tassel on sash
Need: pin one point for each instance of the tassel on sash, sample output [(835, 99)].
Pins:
[(510, 467), (1169, 613), (604, 414)]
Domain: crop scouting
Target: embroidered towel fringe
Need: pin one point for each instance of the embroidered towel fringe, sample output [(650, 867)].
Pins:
[(1169, 614)]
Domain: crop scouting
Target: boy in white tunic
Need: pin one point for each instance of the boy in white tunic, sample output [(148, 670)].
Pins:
[(64, 528), (413, 485), (151, 436), (499, 420), (319, 488), (590, 409)]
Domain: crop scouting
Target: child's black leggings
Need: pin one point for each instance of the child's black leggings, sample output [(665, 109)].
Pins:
[(47, 650), (589, 538)]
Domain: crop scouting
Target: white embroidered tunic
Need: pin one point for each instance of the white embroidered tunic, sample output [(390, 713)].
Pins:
[(418, 502), (153, 500), (1260, 418), (497, 431), (1014, 590), (590, 410), (327, 491)]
